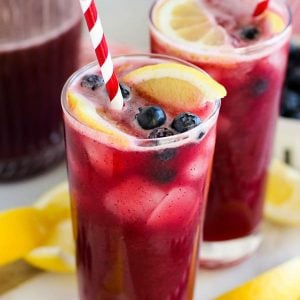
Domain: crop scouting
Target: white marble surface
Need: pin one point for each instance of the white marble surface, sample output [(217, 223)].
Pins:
[(126, 22)]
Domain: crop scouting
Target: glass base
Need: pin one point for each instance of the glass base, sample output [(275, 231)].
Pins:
[(223, 254), (30, 165)]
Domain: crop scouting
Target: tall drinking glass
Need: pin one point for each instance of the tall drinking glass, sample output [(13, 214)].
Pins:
[(249, 59), (138, 203), (39, 41)]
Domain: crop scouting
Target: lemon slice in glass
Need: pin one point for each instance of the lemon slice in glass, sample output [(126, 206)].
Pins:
[(282, 203), (275, 22), (175, 86), (187, 21), (87, 113)]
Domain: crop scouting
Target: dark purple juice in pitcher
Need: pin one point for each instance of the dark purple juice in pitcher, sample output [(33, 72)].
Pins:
[(34, 65)]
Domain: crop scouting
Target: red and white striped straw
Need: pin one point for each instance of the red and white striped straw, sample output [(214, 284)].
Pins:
[(94, 25)]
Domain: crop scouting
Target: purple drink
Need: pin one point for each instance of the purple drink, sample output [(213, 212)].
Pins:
[(248, 56), (38, 51), (138, 201)]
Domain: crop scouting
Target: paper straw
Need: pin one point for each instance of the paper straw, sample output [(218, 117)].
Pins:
[(97, 36), (260, 8)]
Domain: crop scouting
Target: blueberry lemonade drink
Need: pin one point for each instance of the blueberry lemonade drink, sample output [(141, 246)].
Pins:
[(39, 42), (139, 177), (243, 45)]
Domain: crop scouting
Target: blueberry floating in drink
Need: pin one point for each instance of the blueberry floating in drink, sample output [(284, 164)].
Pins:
[(185, 121), (150, 117), (160, 133), (92, 81), (249, 33)]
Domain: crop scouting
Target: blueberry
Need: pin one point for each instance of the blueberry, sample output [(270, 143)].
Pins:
[(160, 133), (293, 78), (201, 135), (249, 33), (260, 86), (125, 90), (185, 121), (166, 154), (163, 175), (150, 117), (92, 81), (290, 104)]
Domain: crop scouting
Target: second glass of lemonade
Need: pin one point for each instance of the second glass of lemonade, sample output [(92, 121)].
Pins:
[(139, 177), (243, 45)]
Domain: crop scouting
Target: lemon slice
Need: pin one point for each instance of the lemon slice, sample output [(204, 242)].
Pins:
[(51, 258), (276, 23), (22, 229), (279, 283), (86, 112), (186, 21), (55, 203), (175, 86), (57, 253), (42, 234), (282, 203)]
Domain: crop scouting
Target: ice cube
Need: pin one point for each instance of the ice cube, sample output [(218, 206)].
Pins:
[(101, 157), (176, 209), (196, 169), (134, 199)]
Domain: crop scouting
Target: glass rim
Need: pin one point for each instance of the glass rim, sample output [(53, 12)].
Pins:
[(144, 142), (41, 37), (215, 50)]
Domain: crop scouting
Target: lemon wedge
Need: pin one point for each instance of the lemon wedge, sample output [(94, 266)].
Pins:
[(41, 234), (276, 23), (186, 21), (55, 203), (22, 229), (175, 85), (86, 113), (279, 283), (282, 203), (52, 259), (57, 252)]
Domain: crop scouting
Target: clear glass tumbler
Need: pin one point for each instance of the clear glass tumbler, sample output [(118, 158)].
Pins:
[(253, 76), (138, 204)]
